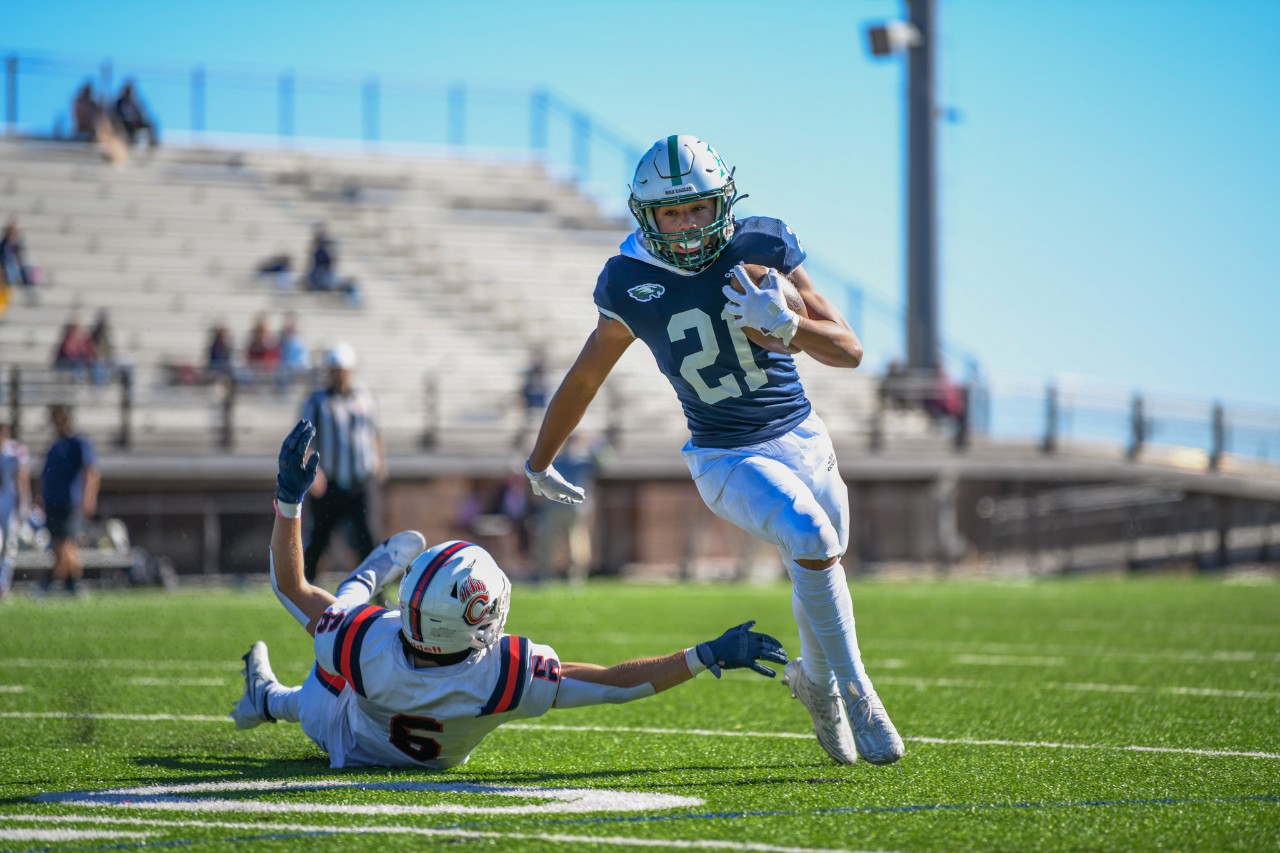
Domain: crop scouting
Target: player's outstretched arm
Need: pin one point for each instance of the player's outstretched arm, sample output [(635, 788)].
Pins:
[(584, 684), (294, 477), (569, 403), (825, 334)]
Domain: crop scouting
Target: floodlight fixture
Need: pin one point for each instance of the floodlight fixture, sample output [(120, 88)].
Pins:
[(892, 37)]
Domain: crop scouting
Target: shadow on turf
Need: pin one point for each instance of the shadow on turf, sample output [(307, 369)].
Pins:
[(247, 767), (244, 768), (205, 769), (233, 766)]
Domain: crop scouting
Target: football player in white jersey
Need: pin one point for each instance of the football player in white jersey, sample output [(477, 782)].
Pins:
[(423, 686), (759, 455)]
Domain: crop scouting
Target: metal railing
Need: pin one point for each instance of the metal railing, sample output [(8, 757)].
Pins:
[(1061, 414), (286, 108)]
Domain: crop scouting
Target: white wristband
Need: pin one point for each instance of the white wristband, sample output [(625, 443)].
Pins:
[(288, 510), (692, 661)]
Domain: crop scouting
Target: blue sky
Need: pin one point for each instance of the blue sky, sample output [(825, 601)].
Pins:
[(1110, 189)]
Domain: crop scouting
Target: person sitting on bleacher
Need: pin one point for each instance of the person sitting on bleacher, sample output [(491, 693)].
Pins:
[(261, 355), (131, 118), (295, 357), (220, 355), (13, 260), (322, 274), (87, 113), (75, 350)]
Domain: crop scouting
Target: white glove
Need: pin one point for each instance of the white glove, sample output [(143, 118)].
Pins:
[(764, 308), (549, 484)]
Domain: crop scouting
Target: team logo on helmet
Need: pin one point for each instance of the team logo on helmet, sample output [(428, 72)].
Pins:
[(646, 292), (474, 596)]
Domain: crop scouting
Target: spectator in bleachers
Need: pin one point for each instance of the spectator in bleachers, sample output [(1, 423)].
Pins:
[(295, 357), (69, 494), (131, 117), (221, 357), (322, 273), (104, 356), (75, 350), (261, 355), (323, 253), (13, 260), (93, 124), (87, 113), (278, 268)]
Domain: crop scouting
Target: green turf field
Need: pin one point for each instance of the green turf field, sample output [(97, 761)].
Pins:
[(1063, 715)]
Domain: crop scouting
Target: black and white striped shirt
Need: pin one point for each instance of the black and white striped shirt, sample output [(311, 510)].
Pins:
[(346, 435)]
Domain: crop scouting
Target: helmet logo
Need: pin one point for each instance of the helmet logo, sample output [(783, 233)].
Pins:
[(474, 596), (646, 292)]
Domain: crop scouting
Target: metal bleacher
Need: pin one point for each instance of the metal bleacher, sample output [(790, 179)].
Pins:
[(466, 267)]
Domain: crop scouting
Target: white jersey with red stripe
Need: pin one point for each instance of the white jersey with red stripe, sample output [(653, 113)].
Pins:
[(401, 715)]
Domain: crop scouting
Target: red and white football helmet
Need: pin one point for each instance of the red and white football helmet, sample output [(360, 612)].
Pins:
[(453, 598)]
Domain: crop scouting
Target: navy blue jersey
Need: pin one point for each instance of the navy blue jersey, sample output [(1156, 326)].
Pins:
[(62, 482), (733, 392)]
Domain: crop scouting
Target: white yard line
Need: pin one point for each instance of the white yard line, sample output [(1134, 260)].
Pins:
[(196, 718), (13, 688), (42, 834), (932, 740), (980, 684), (1008, 660), (1012, 650), (264, 828), (118, 663), (137, 718), (147, 681)]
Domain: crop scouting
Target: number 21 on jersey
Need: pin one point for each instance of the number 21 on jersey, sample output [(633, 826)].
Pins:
[(699, 322)]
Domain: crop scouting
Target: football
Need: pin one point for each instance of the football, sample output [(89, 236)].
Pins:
[(756, 273)]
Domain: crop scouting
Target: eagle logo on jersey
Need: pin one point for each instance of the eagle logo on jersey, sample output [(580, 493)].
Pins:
[(646, 292), (474, 596)]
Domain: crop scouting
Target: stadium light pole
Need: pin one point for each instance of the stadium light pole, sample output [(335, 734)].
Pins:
[(917, 37)]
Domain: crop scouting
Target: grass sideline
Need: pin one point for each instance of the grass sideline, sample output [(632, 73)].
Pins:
[(1083, 714)]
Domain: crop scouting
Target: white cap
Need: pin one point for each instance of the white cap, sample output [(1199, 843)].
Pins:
[(343, 356)]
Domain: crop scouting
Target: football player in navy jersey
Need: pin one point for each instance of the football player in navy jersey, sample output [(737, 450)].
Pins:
[(424, 685), (759, 455)]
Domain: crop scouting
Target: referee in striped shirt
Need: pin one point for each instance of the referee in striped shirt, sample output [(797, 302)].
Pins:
[(352, 461)]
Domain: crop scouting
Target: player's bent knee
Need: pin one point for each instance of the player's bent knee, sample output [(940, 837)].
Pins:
[(812, 542)]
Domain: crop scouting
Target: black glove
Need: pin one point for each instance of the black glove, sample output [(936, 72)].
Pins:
[(296, 476)]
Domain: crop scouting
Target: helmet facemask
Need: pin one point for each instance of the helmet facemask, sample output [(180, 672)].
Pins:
[(680, 170)]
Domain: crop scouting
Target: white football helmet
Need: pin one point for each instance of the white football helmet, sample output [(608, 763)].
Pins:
[(677, 170), (453, 598)]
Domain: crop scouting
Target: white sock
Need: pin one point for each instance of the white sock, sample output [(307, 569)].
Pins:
[(283, 702), (812, 657), (823, 597)]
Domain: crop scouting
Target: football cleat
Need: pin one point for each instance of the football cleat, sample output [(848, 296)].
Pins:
[(873, 731), (829, 721), (390, 559), (251, 710)]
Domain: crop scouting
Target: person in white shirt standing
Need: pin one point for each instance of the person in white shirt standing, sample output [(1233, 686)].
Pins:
[(15, 501), (423, 686)]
